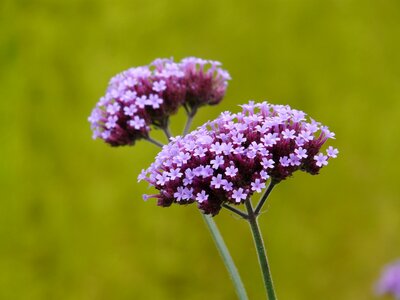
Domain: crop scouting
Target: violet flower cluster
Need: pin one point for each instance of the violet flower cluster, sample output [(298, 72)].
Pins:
[(143, 96), (389, 282), (232, 157)]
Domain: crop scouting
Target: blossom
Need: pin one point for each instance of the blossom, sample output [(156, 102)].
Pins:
[(321, 160), (231, 158), (159, 86), (389, 282), (206, 82), (217, 181), (239, 195), (231, 171), (332, 152), (146, 96), (202, 196), (257, 185)]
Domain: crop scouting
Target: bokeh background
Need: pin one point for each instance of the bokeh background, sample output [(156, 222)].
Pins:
[(72, 221)]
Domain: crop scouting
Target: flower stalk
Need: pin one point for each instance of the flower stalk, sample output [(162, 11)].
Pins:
[(217, 237), (154, 142), (226, 257), (167, 131), (261, 252), (190, 116), (264, 198)]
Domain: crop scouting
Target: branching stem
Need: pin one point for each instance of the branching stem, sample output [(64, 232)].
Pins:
[(236, 211), (154, 142), (264, 198), (190, 116)]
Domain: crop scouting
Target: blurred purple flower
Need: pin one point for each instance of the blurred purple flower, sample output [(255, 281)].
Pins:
[(230, 158), (389, 282), (143, 96)]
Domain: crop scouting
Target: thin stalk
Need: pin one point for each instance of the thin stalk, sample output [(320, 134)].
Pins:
[(157, 143), (167, 132), (216, 235), (226, 257), (189, 120), (264, 198), (262, 255), (221, 246), (235, 210)]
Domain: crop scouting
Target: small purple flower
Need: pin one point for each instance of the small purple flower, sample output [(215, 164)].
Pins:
[(294, 160), (207, 171), (231, 171), (389, 282), (217, 181), (175, 173), (267, 163), (137, 123), (187, 193), (257, 185), (159, 86), (288, 134), (301, 153), (180, 193), (130, 110), (162, 178), (154, 101), (264, 175), (217, 161), (306, 135), (111, 122), (228, 186), (332, 152), (284, 161), (202, 196), (200, 152), (239, 195), (141, 101), (321, 160), (239, 139), (232, 157), (113, 108)]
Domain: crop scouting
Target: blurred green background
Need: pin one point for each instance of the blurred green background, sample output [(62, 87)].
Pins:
[(73, 225)]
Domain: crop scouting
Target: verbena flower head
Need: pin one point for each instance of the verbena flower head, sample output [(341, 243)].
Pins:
[(205, 81), (232, 157), (143, 96), (389, 282)]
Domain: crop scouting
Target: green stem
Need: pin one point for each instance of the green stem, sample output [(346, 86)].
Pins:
[(264, 198), (226, 257), (189, 120), (167, 133), (262, 255), (216, 235), (165, 128), (157, 143), (236, 211)]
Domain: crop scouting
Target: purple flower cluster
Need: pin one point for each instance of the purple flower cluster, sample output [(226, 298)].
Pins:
[(389, 282), (232, 157), (205, 82), (143, 96)]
